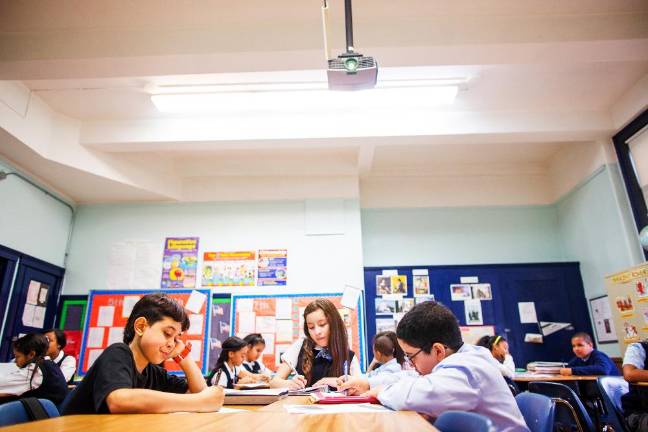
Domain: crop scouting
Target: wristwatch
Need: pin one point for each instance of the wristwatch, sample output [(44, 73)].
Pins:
[(183, 355)]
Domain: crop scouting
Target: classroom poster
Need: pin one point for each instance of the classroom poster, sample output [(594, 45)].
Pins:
[(179, 262), (229, 268), (628, 301), (220, 326), (272, 268), (603, 322)]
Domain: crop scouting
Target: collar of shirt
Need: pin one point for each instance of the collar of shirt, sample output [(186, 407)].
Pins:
[(231, 372), (59, 357)]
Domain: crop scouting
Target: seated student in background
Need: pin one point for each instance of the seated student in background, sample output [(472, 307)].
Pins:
[(37, 376), (66, 362), (588, 361), (498, 346), (253, 363), (388, 355), (635, 402), (318, 358), (230, 362), (451, 375), (127, 378)]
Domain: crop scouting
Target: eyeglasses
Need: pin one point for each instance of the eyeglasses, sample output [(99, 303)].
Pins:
[(410, 358)]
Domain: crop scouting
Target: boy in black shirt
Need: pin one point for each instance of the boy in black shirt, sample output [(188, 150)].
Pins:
[(125, 378)]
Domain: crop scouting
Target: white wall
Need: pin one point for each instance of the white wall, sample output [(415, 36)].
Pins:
[(32, 222), (315, 262)]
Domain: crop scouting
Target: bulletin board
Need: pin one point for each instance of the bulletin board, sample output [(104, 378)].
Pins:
[(279, 318), (70, 319), (628, 300), (105, 322)]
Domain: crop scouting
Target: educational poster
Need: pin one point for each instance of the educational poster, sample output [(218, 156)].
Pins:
[(279, 318), (482, 291), (473, 311), (384, 307), (180, 262), (108, 312), (220, 326), (383, 285), (385, 324), (421, 283), (628, 301), (399, 284), (273, 267), (35, 305), (603, 322), (133, 264), (229, 268), (460, 292)]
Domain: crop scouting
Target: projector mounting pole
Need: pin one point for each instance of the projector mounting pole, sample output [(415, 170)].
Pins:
[(348, 22)]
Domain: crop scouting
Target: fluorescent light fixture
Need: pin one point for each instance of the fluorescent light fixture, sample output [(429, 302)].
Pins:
[(299, 100)]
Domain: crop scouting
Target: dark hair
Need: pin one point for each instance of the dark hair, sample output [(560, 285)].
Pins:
[(428, 323), (585, 336), (386, 344), (60, 336), (231, 344), (254, 339), (155, 307), (490, 341), (35, 342), (338, 340)]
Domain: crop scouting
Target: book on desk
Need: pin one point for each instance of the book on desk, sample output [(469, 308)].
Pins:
[(254, 396)]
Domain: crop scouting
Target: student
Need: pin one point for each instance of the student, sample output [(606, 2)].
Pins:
[(388, 355), (588, 361), (66, 362), (127, 378), (253, 363), (498, 346), (230, 361), (451, 375), (320, 356), (37, 376), (635, 402)]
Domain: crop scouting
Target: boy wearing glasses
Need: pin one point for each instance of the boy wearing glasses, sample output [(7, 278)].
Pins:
[(451, 375)]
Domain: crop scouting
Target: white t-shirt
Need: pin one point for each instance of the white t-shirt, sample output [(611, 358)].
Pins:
[(68, 366), (292, 354), (15, 380)]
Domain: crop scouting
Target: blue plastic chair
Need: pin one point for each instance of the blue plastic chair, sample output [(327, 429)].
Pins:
[(14, 412), (569, 411), (538, 411), (611, 389), (461, 421)]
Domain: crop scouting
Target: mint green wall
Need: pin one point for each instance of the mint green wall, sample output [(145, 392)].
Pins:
[(460, 235), (31, 221)]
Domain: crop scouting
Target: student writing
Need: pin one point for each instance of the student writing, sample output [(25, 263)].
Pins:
[(126, 377), (320, 356)]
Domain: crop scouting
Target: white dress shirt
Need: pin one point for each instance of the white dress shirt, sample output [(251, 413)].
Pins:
[(635, 355), (392, 366), (468, 380), (15, 381), (68, 366)]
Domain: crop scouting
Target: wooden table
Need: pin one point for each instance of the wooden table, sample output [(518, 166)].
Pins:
[(268, 418), (642, 384), (531, 377)]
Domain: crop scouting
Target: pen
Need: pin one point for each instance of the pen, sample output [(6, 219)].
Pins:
[(346, 375), (218, 375), (292, 368)]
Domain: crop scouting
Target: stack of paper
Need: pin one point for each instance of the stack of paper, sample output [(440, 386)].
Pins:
[(545, 367), (254, 397)]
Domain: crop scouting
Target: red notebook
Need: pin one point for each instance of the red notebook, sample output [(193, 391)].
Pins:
[(323, 398)]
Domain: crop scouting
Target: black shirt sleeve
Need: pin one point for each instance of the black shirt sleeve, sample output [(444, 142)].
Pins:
[(161, 380), (115, 370)]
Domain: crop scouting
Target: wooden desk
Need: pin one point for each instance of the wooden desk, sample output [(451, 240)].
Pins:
[(270, 418), (641, 384), (531, 377)]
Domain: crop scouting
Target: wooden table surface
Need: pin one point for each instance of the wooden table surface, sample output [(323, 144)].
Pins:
[(530, 377), (268, 418), (641, 384)]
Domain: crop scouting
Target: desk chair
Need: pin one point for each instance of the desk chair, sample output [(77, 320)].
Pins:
[(611, 389), (538, 411), (15, 412), (460, 421), (569, 408)]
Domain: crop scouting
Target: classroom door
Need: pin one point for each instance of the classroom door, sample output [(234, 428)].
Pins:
[(8, 260), (555, 300), (33, 301)]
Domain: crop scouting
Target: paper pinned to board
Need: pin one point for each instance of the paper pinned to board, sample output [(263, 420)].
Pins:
[(350, 296), (390, 272), (548, 327), (196, 301), (527, 313)]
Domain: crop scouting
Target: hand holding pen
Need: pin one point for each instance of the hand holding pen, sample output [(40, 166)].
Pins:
[(298, 380)]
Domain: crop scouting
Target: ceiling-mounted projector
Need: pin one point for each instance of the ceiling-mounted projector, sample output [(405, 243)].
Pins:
[(350, 70)]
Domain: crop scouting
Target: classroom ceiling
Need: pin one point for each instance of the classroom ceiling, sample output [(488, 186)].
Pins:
[(536, 77)]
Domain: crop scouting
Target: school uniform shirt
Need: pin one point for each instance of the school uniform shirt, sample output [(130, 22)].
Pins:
[(47, 382), (292, 355), (597, 363), (115, 369), (507, 367), (468, 380), (67, 363), (256, 367), (229, 377), (392, 366), (636, 400)]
